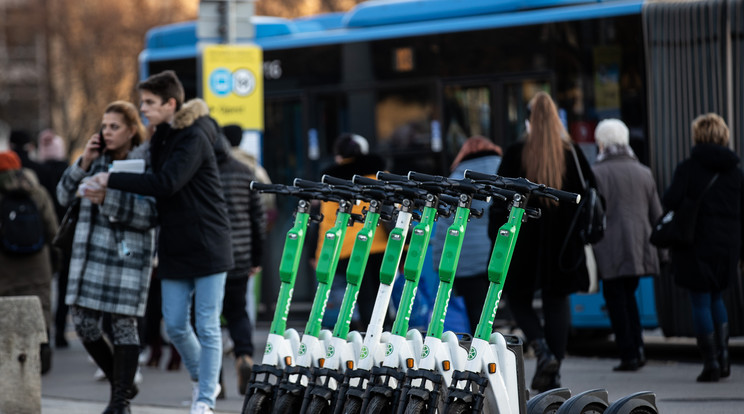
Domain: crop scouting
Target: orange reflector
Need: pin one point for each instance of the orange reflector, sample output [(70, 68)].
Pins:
[(491, 368), (349, 364), (446, 365), (321, 361), (409, 362), (288, 360)]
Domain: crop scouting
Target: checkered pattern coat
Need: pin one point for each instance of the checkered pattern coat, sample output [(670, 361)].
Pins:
[(103, 275)]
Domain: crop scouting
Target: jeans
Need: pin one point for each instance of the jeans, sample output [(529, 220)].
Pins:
[(201, 355), (708, 311)]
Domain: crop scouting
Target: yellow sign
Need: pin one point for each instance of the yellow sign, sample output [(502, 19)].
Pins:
[(232, 84)]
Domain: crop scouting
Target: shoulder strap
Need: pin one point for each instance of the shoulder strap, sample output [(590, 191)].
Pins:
[(578, 166), (710, 183)]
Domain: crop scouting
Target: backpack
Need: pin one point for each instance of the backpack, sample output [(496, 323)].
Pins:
[(21, 224)]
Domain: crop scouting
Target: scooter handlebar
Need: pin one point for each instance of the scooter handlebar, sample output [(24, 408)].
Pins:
[(523, 185)]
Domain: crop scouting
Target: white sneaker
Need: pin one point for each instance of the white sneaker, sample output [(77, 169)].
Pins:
[(138, 376), (201, 408), (195, 393)]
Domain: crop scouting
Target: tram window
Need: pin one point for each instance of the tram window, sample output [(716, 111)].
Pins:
[(516, 96), (467, 112), (403, 122)]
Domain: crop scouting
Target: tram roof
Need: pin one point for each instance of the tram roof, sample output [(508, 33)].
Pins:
[(387, 19)]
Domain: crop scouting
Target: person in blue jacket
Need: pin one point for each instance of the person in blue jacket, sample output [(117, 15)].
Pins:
[(471, 281)]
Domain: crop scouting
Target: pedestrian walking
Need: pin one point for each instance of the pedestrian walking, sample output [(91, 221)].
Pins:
[(194, 245), (545, 157), (625, 254), (706, 267), (248, 224)]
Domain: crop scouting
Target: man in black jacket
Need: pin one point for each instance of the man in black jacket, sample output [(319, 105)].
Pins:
[(194, 246)]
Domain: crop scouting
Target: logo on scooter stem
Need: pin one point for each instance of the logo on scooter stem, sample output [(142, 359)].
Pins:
[(364, 353), (268, 349), (472, 354), (425, 352), (330, 351), (303, 349), (389, 350)]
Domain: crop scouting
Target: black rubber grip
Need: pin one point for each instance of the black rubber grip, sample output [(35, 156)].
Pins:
[(386, 176), (362, 180), (479, 176), (259, 186), (421, 177), (299, 182), (563, 196), (328, 179)]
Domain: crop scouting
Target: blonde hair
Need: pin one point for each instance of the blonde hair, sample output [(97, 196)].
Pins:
[(710, 129), (472, 145), (543, 157)]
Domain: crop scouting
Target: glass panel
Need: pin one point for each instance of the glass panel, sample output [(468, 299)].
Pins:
[(403, 121), (467, 112), (516, 96)]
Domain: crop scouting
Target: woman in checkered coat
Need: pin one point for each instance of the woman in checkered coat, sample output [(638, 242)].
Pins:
[(112, 252)]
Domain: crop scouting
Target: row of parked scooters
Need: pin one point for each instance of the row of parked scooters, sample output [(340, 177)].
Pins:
[(401, 371)]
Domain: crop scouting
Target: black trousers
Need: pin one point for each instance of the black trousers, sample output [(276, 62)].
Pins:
[(234, 312), (473, 290), (556, 310), (619, 294)]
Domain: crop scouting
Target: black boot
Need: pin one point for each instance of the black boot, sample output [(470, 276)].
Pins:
[(711, 368), (101, 352), (547, 366), (126, 358), (722, 340)]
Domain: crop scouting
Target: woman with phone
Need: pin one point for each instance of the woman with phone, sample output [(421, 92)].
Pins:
[(112, 252)]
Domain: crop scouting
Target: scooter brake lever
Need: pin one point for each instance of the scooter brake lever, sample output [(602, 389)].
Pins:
[(477, 213), (533, 213)]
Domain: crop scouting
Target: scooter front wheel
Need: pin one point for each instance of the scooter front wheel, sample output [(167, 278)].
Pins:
[(415, 406), (318, 406), (288, 403), (458, 407), (379, 404), (353, 406), (258, 404)]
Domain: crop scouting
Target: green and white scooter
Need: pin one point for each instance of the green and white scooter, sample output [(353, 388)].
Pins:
[(343, 347), (312, 348), (424, 388), (281, 344), (381, 391), (492, 379)]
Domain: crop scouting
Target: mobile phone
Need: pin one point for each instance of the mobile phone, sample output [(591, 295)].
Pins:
[(101, 142)]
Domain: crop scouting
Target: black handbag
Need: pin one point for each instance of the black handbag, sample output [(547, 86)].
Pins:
[(676, 228), (66, 230)]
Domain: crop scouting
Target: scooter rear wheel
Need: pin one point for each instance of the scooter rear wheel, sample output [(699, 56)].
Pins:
[(353, 406), (288, 403), (257, 404), (378, 405), (318, 406), (415, 406)]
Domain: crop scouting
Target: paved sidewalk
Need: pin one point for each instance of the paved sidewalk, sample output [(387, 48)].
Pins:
[(70, 387)]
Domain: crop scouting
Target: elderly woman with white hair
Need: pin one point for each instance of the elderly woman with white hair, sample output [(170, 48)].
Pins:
[(625, 254)]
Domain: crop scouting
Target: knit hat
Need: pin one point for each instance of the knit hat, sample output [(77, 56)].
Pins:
[(9, 161)]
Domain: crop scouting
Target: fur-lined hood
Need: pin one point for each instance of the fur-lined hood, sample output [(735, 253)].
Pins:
[(190, 111)]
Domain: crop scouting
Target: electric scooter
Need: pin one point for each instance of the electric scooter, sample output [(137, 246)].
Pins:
[(424, 388), (281, 343), (344, 347), (312, 348), (382, 389)]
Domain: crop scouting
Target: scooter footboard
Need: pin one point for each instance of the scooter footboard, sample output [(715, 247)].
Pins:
[(471, 392), (428, 388)]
